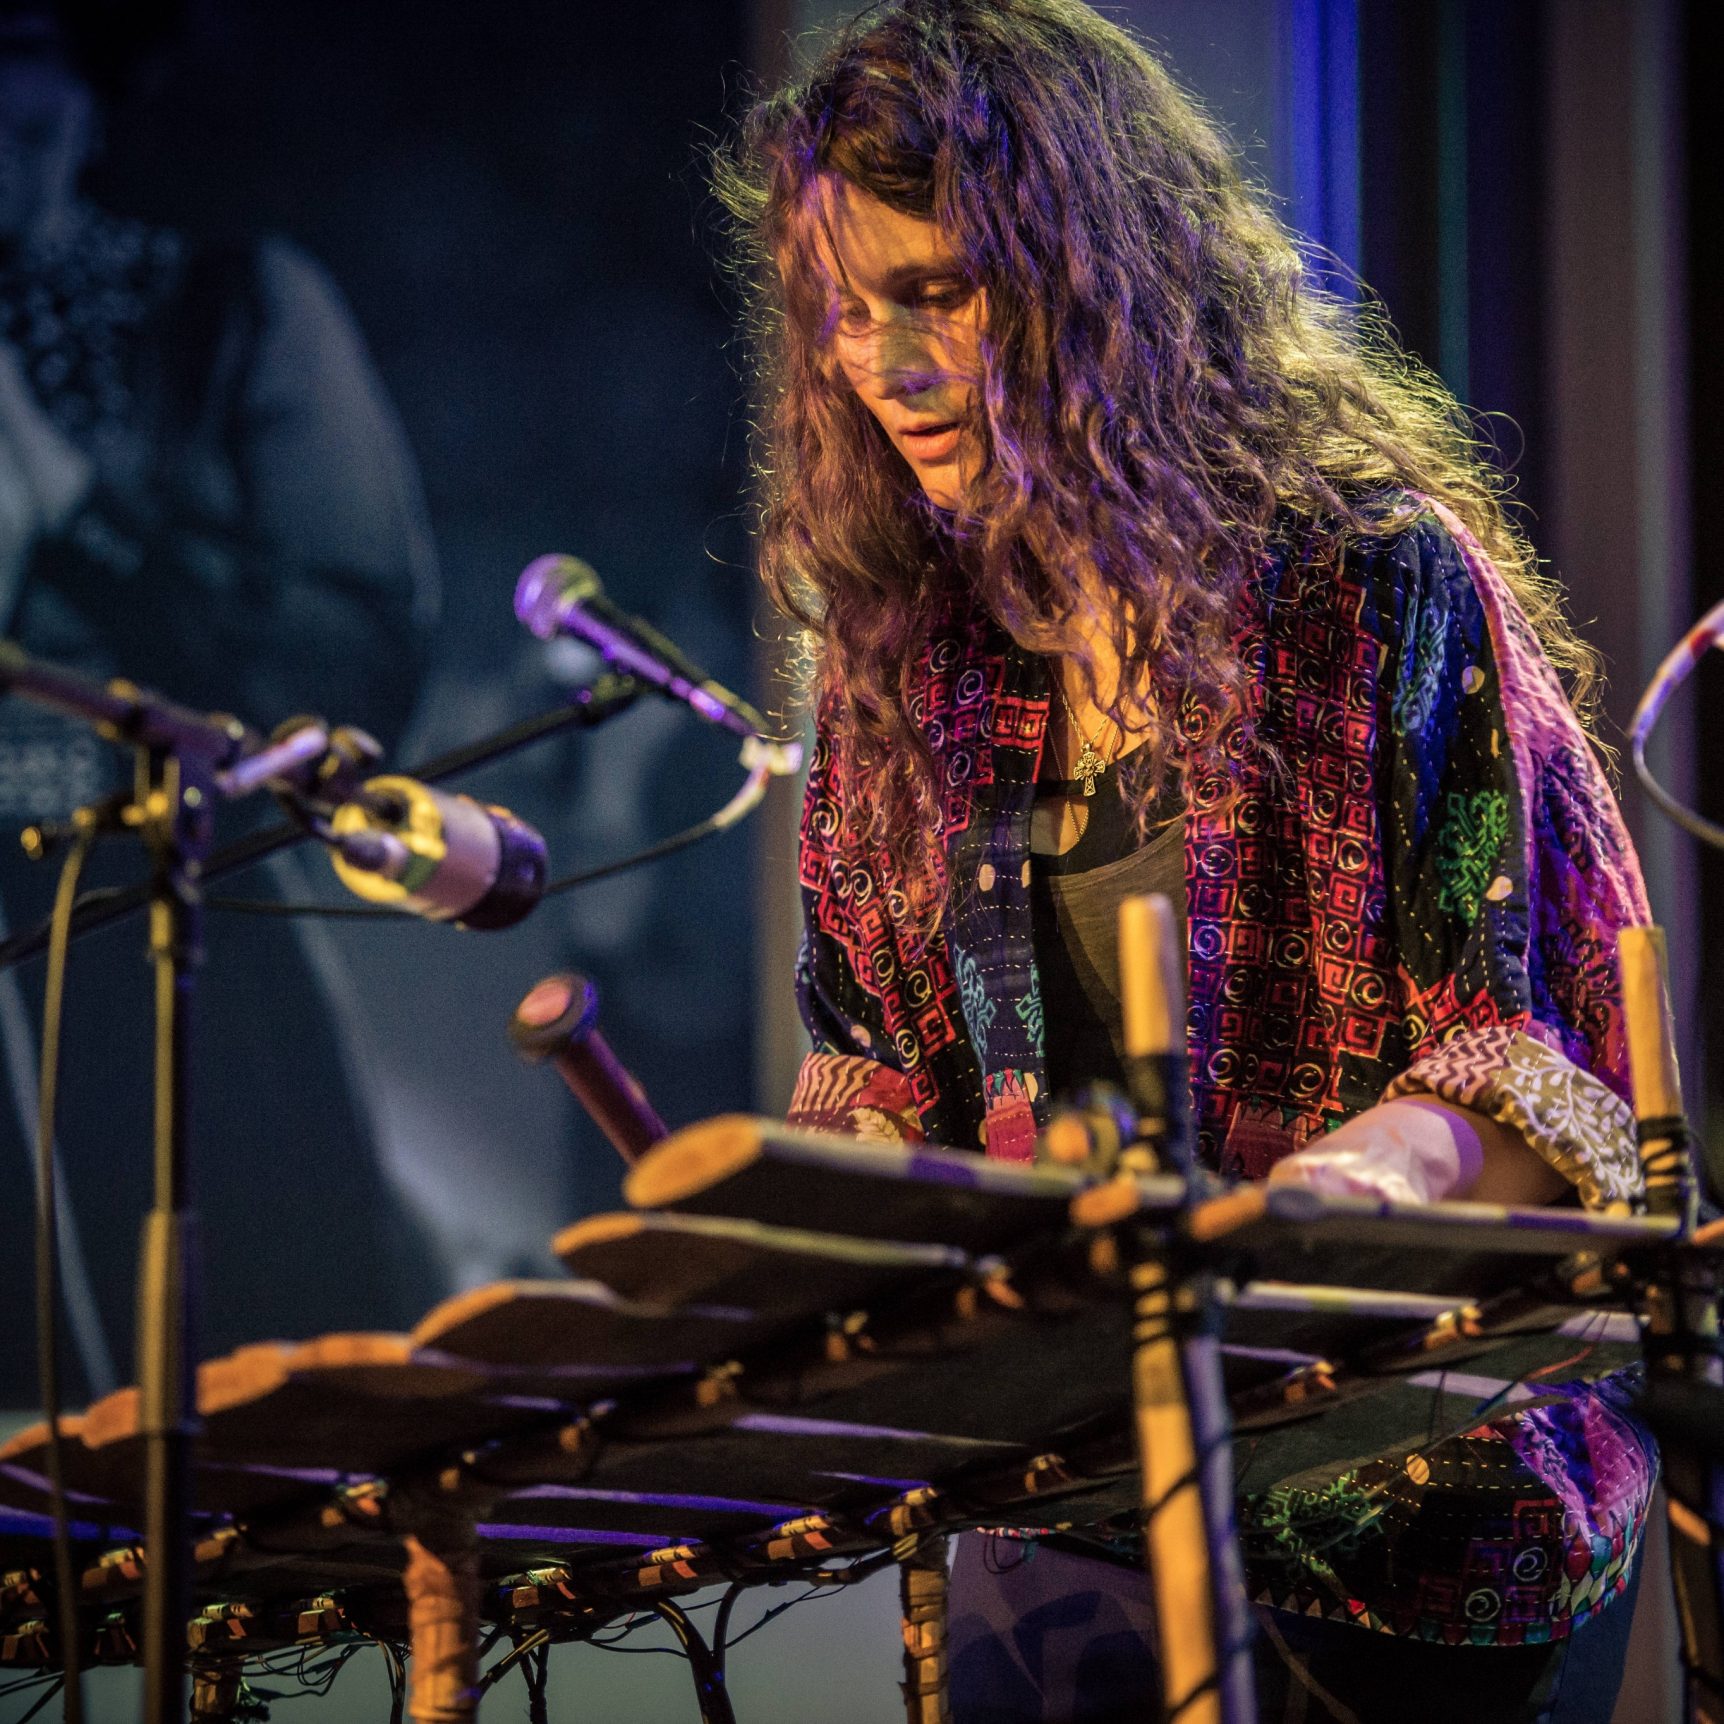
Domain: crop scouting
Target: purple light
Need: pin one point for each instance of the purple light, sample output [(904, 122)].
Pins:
[(306, 1475), (869, 1479), (651, 1499), (82, 1531), (944, 1170), (781, 1424), (39, 1482), (571, 1535)]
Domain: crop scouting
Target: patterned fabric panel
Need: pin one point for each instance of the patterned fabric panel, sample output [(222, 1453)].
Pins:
[(846, 1093), (1584, 1129), (1512, 1533), (1588, 879), (958, 1015)]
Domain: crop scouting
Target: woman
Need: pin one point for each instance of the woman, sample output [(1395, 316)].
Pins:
[(1129, 561)]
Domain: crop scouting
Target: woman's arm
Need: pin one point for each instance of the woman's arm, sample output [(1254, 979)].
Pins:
[(1507, 874), (1418, 1149)]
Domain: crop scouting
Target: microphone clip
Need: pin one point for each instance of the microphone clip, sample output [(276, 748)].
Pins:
[(775, 759)]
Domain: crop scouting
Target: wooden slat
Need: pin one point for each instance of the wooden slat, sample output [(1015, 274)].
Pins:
[(758, 1170), (579, 1333), (679, 1260)]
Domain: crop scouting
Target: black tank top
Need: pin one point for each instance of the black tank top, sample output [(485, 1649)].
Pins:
[(1075, 898)]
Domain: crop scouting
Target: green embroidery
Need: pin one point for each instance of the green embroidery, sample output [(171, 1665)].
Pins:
[(1029, 1010), (1416, 697), (979, 1010), (1293, 1536), (1471, 840)]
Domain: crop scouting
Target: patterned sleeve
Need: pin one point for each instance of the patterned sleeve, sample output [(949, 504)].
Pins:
[(1509, 869), (844, 1085)]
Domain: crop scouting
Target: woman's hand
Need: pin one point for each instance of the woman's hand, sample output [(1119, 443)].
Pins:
[(1420, 1150)]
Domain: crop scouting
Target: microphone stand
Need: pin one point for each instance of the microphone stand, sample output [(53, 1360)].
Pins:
[(182, 759), (179, 755), (591, 706), (174, 799)]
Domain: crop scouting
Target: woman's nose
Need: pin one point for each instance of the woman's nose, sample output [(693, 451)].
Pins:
[(906, 360)]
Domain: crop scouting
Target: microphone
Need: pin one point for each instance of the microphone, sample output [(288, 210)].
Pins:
[(560, 595), (558, 1021), (1677, 667), (122, 712), (447, 858)]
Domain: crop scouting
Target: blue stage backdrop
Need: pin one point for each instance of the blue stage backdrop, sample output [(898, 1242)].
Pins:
[(506, 211)]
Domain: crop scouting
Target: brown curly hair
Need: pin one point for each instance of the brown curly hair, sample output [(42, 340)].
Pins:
[(1164, 388)]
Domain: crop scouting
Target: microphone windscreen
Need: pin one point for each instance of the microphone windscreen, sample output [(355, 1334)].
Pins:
[(549, 587)]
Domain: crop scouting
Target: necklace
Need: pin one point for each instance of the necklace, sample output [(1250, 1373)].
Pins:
[(1089, 764)]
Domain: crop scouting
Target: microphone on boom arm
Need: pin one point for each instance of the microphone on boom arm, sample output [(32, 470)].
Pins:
[(561, 595), (402, 844)]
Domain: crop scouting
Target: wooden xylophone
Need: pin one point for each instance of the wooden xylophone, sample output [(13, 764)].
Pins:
[(804, 1356)]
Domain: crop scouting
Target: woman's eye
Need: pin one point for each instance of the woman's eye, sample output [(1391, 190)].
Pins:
[(853, 319), (943, 295)]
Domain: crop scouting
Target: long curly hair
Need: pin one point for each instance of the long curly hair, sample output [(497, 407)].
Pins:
[(1164, 387)]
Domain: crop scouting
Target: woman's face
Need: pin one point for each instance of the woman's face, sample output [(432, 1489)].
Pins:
[(908, 335)]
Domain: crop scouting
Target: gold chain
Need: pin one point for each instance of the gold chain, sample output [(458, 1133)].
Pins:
[(1090, 763)]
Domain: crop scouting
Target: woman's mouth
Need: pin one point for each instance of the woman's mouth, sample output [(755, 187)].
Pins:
[(932, 442)]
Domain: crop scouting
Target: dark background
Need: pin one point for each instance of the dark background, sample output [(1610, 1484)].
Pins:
[(513, 203)]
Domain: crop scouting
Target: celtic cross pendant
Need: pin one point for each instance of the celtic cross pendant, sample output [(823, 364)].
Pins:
[(1089, 763)]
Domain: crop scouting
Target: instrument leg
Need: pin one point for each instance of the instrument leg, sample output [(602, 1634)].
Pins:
[(215, 1690), (1189, 1539), (1697, 1573), (1684, 1404), (1682, 1312), (443, 1618), (922, 1594)]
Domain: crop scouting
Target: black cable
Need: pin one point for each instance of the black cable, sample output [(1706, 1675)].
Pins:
[(991, 1560), (689, 835), (709, 1689), (779, 1609), (44, 1701), (536, 1672), (540, 1637), (665, 847), (721, 1622), (48, 1266), (397, 1675), (34, 1680)]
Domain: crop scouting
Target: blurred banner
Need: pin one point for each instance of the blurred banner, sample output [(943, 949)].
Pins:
[(316, 324)]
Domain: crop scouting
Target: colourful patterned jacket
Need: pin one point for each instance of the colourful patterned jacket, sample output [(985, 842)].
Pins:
[(1427, 900)]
